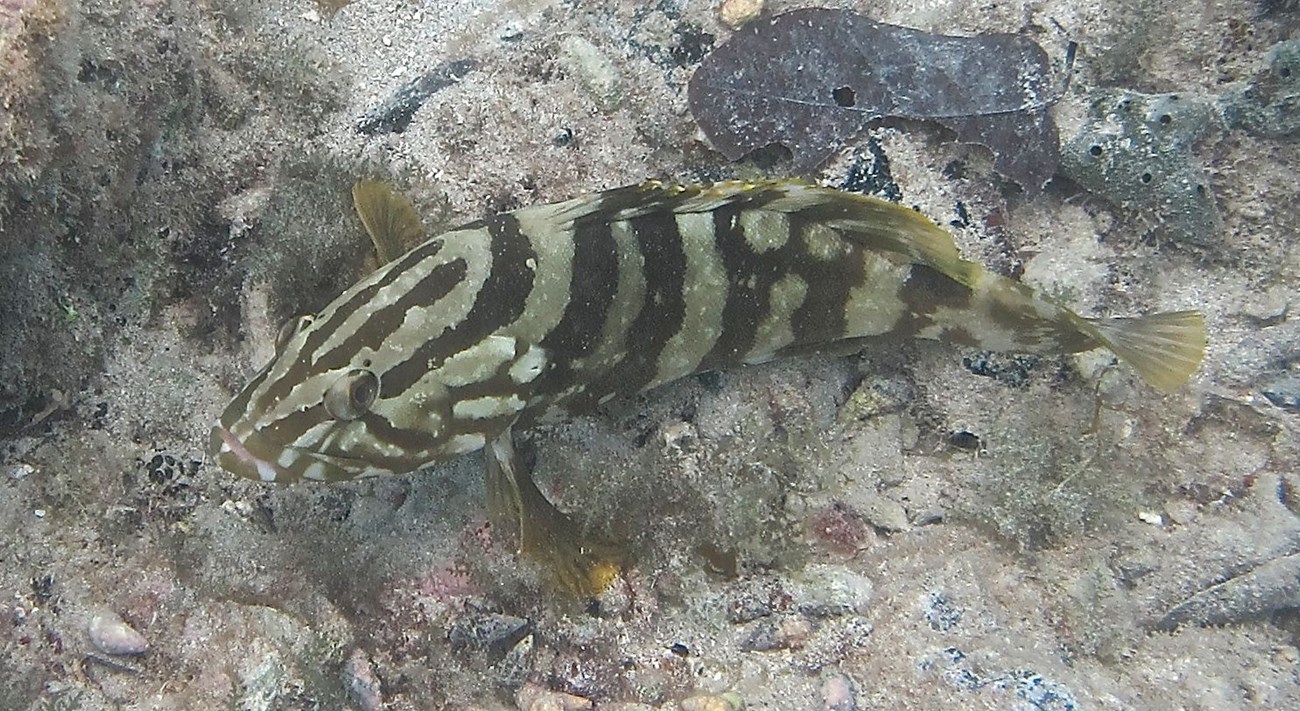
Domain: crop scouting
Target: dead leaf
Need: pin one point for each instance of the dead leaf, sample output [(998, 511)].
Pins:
[(812, 79)]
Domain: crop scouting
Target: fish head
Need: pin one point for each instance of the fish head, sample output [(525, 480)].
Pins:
[(315, 415), (369, 388)]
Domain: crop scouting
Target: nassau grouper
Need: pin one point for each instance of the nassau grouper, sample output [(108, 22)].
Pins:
[(551, 310)]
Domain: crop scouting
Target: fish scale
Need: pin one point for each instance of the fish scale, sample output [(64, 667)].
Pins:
[(551, 310)]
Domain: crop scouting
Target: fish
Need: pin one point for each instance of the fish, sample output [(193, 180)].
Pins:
[(546, 312)]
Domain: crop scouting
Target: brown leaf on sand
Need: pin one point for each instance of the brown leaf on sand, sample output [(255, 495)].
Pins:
[(812, 79)]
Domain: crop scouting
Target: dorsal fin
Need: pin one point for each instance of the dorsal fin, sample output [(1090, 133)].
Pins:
[(389, 218), (872, 223)]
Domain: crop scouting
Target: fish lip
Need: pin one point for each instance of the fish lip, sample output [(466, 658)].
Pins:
[(231, 453), (234, 455)]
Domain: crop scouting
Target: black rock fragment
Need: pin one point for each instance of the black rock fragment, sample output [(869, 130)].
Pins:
[(1284, 393), (394, 114)]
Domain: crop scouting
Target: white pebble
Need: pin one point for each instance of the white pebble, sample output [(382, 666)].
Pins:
[(738, 13), (1151, 517), (593, 70), (112, 635)]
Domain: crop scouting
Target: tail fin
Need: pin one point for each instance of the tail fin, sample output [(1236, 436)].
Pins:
[(1165, 349)]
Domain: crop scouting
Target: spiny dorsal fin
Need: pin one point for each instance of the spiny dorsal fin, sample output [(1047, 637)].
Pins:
[(872, 223), (389, 218)]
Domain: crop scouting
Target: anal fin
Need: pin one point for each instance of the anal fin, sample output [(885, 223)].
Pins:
[(576, 562)]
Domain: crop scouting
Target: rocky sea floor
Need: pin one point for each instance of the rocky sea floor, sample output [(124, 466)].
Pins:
[(917, 526)]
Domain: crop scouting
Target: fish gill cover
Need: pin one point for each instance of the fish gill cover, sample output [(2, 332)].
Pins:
[(812, 79)]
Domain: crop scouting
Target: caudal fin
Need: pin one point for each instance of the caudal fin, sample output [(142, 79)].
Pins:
[(1165, 349)]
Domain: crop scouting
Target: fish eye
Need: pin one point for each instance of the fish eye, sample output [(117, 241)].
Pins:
[(352, 394), (291, 328)]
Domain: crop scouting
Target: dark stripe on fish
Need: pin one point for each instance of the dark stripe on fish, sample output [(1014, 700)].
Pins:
[(409, 441), (662, 307), (499, 301), (292, 427), (821, 316), (924, 291), (436, 285), (240, 403), (592, 289), (324, 331), (750, 277)]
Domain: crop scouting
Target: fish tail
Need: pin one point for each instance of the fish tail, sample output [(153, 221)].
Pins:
[(1165, 349)]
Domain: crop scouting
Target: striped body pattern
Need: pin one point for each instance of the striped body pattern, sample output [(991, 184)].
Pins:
[(550, 310)]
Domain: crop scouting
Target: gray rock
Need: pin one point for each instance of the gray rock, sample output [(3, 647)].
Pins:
[(1269, 104), (1136, 151), (362, 683), (489, 631), (831, 591), (1266, 589)]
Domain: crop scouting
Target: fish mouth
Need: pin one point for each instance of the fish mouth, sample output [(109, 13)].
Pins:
[(230, 452), (252, 457)]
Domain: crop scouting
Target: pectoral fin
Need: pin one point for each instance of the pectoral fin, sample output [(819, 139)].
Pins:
[(576, 562), (389, 218)]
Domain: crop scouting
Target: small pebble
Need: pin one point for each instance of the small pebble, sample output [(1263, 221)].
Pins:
[(839, 693), (1284, 393), (830, 591), (513, 668), (110, 634), (1182, 511), (738, 13), (594, 70), (532, 697), (361, 682), (1151, 517), (884, 513), (729, 701), (487, 630), (840, 528), (773, 633)]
